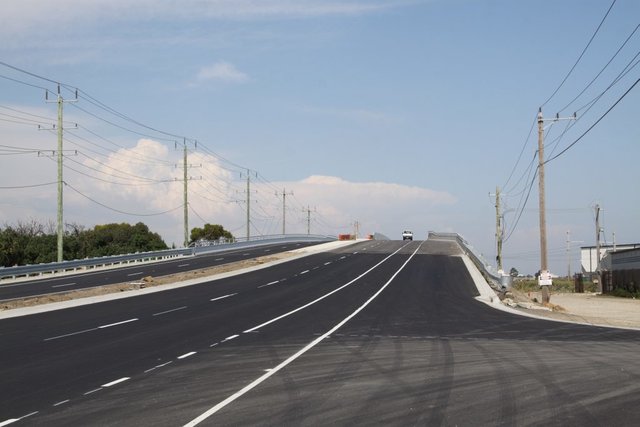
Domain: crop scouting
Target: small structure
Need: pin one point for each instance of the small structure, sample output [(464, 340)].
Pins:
[(622, 270), (589, 256)]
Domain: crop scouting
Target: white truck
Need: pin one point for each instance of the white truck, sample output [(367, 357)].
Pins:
[(407, 235)]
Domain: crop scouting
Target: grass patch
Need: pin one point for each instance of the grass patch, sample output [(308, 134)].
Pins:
[(559, 285)]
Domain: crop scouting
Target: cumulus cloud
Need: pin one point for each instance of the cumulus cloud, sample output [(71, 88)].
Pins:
[(221, 71), (377, 206)]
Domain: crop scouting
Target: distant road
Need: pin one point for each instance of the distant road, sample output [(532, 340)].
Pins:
[(136, 272), (377, 333)]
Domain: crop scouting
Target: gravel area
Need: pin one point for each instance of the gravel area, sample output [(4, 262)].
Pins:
[(589, 308)]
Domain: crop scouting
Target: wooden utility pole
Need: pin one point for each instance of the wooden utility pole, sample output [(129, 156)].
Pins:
[(544, 272), (598, 272), (498, 231), (544, 280)]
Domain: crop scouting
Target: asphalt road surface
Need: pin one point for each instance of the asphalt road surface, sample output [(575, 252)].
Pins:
[(378, 333), (71, 282)]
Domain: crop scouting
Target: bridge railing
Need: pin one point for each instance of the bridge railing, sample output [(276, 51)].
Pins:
[(495, 278), (26, 272)]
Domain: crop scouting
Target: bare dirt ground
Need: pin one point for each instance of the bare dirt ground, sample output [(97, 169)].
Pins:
[(588, 308), (146, 282)]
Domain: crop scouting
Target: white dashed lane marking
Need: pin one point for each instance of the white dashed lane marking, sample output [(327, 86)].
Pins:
[(269, 284), (63, 285), (222, 297), (184, 356), (118, 381), (169, 311), (117, 323)]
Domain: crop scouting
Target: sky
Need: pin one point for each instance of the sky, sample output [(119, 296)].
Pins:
[(392, 114)]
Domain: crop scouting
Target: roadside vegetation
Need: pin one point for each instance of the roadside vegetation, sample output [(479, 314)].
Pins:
[(559, 285), (34, 243)]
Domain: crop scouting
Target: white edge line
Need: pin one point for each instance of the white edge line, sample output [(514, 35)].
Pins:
[(118, 381), (184, 356), (117, 323), (293, 357), (224, 296), (275, 319), (9, 421)]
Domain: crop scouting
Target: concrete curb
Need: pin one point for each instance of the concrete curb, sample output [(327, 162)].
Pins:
[(489, 297)]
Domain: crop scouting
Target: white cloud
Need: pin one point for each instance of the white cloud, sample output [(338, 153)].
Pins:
[(19, 16), (222, 72), (377, 206)]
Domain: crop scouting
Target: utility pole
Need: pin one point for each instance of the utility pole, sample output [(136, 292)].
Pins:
[(248, 190), (544, 280), (185, 189), (308, 211), (498, 231), (284, 195), (599, 276), (60, 101), (568, 256)]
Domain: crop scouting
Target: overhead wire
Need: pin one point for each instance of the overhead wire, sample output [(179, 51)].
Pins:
[(581, 55)]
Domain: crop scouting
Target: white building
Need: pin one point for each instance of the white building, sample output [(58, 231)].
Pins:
[(589, 259)]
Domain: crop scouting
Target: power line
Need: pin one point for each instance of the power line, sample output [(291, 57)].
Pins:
[(602, 70), (593, 125), (117, 210), (581, 55)]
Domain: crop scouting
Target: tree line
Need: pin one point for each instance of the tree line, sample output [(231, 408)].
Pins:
[(32, 242)]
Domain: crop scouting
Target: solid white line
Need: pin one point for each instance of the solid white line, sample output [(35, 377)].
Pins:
[(117, 323), (70, 334), (184, 356), (169, 311), (300, 352), (112, 383), (62, 286), (230, 338), (322, 297), (224, 296), (136, 274), (269, 284), (61, 403)]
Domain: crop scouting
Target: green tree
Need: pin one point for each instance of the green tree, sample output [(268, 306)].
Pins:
[(210, 232)]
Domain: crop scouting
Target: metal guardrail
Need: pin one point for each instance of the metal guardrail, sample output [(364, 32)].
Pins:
[(495, 279), (55, 268)]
